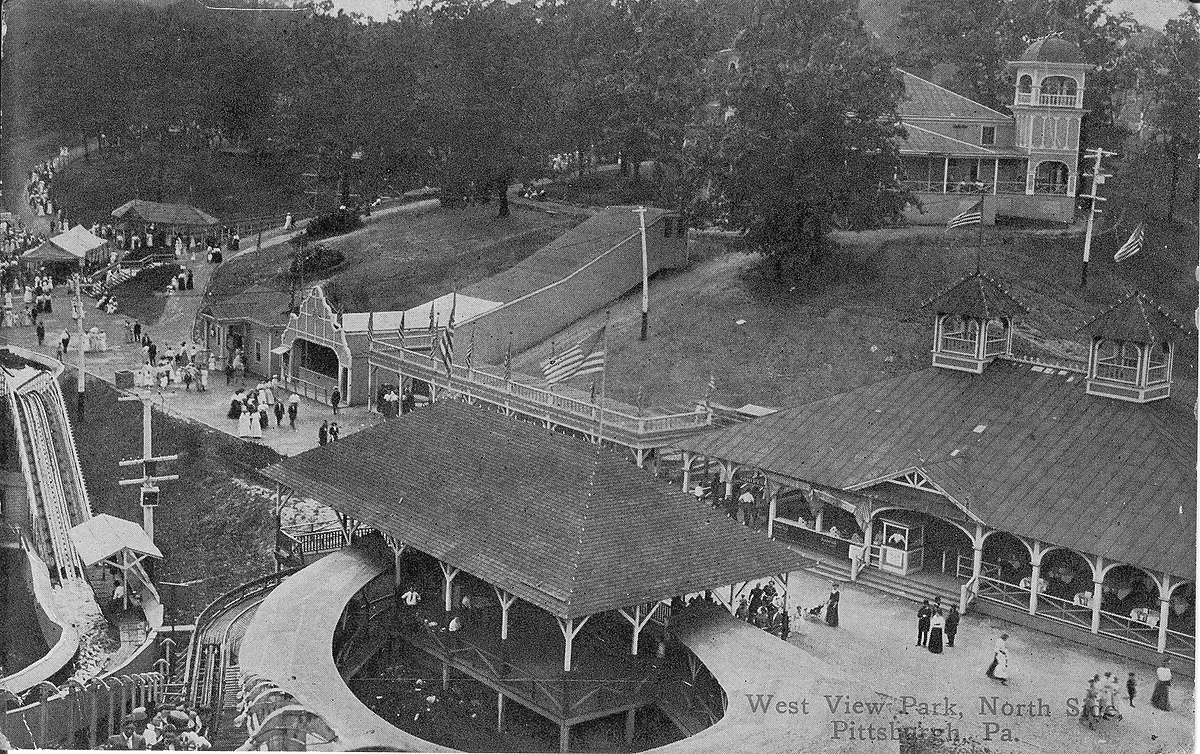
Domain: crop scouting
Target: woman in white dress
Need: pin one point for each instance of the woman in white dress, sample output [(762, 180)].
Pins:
[(246, 423), (255, 426)]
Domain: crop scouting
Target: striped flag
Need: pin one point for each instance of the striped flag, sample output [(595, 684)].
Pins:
[(400, 332), (432, 323), (471, 350), (508, 360), (1133, 245), (972, 216), (586, 357), (446, 341)]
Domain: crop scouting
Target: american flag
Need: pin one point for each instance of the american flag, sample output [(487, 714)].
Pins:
[(586, 357), (1133, 245), (471, 350), (432, 323), (400, 332), (972, 216), (446, 341)]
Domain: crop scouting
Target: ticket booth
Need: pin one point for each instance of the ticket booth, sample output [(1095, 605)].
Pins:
[(902, 548)]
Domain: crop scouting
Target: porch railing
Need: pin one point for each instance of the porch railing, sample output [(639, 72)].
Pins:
[(1003, 592), (1128, 629), (1117, 372), (955, 344), (1181, 644), (1064, 611)]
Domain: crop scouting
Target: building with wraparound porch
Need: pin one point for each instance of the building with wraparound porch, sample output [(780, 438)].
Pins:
[(1057, 495)]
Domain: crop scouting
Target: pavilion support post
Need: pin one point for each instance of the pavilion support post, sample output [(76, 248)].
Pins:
[(638, 622), (687, 470), (630, 721), (945, 174), (783, 581), (564, 738), (1034, 576), (1097, 594), (771, 490), (398, 558), (640, 456), (570, 629), (500, 711), (1164, 611), (445, 675), (728, 470), (448, 574)]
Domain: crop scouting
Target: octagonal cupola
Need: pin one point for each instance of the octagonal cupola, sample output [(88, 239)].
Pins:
[(973, 323), (1132, 350)]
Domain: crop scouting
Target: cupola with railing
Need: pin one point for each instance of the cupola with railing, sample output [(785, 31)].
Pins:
[(1132, 350), (973, 323)]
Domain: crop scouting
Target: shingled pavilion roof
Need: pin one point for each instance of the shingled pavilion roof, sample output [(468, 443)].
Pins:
[(567, 526), (1135, 318), (977, 296), (1022, 447)]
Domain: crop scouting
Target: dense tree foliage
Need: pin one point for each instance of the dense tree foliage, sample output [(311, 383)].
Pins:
[(811, 141)]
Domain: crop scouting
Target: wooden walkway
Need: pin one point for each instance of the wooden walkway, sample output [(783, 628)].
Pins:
[(290, 642)]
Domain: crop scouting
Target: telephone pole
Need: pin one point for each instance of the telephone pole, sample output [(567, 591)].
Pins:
[(645, 273), (1098, 177), (149, 480), (77, 311)]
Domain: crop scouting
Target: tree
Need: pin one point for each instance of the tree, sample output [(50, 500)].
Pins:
[(1172, 77), (813, 140)]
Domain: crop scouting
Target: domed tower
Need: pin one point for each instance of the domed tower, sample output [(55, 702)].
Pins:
[(1048, 106), (1132, 350), (973, 323)]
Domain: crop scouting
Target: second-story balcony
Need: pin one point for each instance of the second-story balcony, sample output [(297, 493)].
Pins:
[(1049, 100)]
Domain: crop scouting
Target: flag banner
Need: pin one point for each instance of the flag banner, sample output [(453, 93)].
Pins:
[(400, 332), (471, 350), (1133, 245), (586, 357), (432, 322), (446, 341), (973, 216), (508, 360)]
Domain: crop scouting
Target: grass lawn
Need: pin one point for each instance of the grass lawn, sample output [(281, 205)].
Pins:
[(141, 297), (405, 259), (226, 186), (857, 318), (207, 525)]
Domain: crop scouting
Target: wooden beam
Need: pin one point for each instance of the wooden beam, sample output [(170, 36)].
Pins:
[(448, 574)]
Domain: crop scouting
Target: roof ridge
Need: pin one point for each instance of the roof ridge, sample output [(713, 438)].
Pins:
[(952, 92)]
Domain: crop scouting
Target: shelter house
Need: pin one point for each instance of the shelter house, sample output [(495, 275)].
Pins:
[(569, 545), (137, 215), (1057, 495), (252, 322)]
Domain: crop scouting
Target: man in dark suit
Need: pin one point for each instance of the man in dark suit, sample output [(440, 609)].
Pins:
[(923, 617), (128, 738)]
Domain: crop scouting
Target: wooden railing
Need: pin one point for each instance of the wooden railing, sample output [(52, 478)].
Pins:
[(1003, 592), (1181, 644), (1128, 629), (325, 540), (1117, 372), (954, 344), (537, 402), (1063, 610)]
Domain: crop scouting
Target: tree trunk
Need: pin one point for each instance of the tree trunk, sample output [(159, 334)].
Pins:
[(502, 195)]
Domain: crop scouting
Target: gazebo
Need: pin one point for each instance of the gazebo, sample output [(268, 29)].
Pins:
[(117, 543), (564, 532)]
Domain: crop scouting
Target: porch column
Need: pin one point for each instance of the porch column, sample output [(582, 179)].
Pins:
[(1097, 594), (570, 629), (687, 470), (1164, 611), (398, 556), (638, 622), (728, 469), (506, 601), (630, 719), (865, 560), (771, 490), (820, 518), (1034, 576), (996, 177), (500, 710), (448, 574), (945, 174), (639, 456)]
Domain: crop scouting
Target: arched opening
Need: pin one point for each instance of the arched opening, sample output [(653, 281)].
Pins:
[(1051, 178), (1128, 589), (1117, 361), (997, 337), (1006, 558), (1059, 91), (959, 334), (1025, 85), (1182, 618), (1159, 370), (1068, 575)]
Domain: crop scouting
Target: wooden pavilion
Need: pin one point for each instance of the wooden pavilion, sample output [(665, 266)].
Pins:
[(566, 534), (1061, 496)]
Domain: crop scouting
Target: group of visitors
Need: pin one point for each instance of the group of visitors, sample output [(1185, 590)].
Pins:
[(168, 727), (765, 609), (252, 410), (936, 630), (328, 433), (184, 365), (42, 197)]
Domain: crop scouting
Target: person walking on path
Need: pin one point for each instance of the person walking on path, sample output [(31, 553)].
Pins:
[(924, 613), (1161, 698), (323, 433), (998, 670), (335, 398), (831, 605), (937, 626), (278, 414), (1131, 688), (952, 625), (293, 410), (335, 432), (41, 333)]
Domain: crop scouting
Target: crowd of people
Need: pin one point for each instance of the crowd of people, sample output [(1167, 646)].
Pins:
[(165, 727), (252, 409), (935, 629)]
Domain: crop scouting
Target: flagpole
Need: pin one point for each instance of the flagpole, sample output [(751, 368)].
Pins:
[(979, 236), (603, 384)]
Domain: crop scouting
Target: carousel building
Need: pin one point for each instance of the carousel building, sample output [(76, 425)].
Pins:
[(1061, 496)]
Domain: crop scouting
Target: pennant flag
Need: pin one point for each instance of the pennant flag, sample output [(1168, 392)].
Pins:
[(370, 326), (973, 216), (1133, 245), (446, 342), (432, 323), (400, 332), (508, 360), (471, 350), (586, 357)]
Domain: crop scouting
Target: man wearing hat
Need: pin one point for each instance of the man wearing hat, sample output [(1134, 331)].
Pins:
[(127, 738)]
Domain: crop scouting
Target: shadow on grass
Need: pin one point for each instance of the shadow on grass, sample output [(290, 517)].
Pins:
[(144, 297)]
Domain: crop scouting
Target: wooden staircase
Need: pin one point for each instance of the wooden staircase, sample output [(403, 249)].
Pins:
[(888, 583)]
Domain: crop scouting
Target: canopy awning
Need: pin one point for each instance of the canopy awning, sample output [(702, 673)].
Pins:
[(69, 246), (103, 536), (280, 350)]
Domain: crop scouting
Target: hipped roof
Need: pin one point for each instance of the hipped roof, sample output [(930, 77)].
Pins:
[(68, 246), (567, 526), (1135, 318), (977, 296), (165, 214)]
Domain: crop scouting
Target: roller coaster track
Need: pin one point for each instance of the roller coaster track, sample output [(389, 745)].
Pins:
[(44, 470)]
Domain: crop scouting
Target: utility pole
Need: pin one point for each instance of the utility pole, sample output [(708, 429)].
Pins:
[(77, 306), (1097, 177), (148, 481), (645, 273)]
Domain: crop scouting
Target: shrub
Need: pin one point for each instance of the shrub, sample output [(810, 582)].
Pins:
[(333, 224)]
